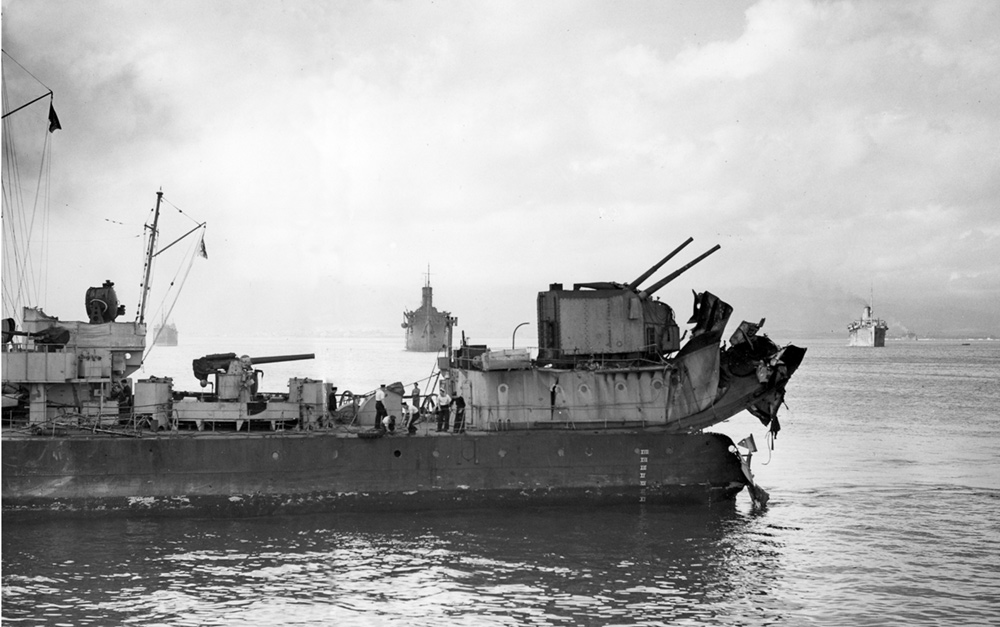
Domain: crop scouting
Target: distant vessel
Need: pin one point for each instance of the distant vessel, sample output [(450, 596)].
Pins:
[(165, 334), (868, 331), (427, 329)]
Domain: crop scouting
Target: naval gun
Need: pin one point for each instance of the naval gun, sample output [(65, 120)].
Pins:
[(236, 376), (609, 321)]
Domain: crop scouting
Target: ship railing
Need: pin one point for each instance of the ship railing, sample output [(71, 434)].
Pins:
[(549, 425), (558, 417), (145, 417), (649, 356), (106, 418), (32, 347)]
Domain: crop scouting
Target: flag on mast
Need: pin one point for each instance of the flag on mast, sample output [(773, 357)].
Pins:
[(54, 124)]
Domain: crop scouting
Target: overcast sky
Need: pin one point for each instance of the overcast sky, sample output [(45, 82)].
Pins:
[(338, 149)]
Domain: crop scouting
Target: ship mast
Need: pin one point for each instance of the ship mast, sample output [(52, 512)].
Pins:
[(427, 294), (149, 259), (21, 285)]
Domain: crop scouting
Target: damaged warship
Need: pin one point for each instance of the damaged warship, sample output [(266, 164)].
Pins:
[(611, 410)]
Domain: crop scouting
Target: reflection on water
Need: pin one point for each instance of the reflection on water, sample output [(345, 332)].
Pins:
[(539, 566), (826, 556)]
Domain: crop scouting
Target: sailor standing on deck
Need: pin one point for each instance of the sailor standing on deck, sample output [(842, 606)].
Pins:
[(443, 410), (125, 401), (415, 397), (380, 411), (459, 404)]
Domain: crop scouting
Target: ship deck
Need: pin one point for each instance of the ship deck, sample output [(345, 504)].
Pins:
[(225, 430)]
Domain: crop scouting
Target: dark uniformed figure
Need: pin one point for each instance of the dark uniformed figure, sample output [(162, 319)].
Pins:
[(125, 401), (459, 404), (331, 403)]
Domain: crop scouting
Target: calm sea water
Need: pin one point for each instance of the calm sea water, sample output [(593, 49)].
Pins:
[(885, 510)]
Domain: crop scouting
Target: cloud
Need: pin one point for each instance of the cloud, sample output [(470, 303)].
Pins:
[(830, 143)]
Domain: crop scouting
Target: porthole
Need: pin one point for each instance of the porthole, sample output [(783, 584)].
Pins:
[(503, 388)]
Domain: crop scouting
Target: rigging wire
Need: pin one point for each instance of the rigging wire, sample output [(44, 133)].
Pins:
[(27, 283), (21, 257), (26, 70), (38, 274), (192, 254), (180, 211)]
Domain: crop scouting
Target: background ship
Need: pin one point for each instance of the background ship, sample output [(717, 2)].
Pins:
[(868, 331), (165, 334), (427, 328)]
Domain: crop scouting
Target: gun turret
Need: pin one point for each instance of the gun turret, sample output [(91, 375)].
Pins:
[(634, 285), (220, 363), (606, 320), (645, 294), (235, 377), (274, 359)]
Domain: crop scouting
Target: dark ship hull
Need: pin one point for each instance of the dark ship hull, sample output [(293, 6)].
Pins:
[(255, 474)]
